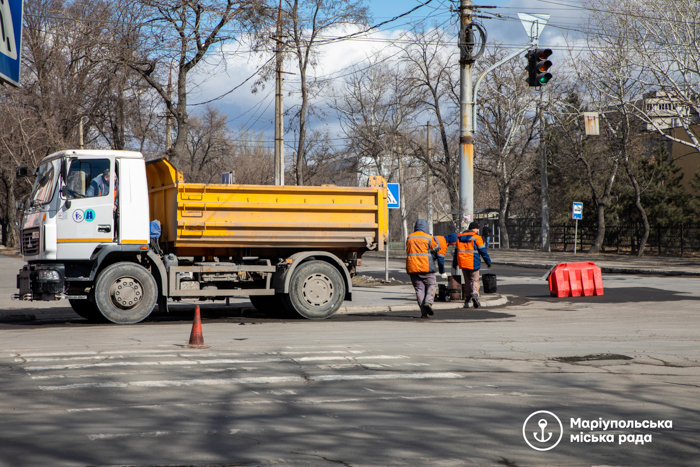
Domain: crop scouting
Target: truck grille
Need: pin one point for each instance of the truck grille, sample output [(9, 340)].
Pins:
[(31, 242)]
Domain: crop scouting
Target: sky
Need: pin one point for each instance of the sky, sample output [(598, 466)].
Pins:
[(254, 113)]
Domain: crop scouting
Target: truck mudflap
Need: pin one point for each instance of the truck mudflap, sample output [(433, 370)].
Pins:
[(41, 282)]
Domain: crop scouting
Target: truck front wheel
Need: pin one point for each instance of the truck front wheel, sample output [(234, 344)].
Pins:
[(316, 290), (125, 293)]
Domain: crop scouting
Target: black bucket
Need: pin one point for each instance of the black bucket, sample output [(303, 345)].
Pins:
[(489, 281), (443, 293)]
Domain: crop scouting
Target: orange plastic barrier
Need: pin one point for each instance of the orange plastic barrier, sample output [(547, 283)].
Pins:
[(575, 279)]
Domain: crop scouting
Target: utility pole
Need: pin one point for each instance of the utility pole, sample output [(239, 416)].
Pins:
[(544, 185), (81, 144), (466, 139), (279, 122), (168, 122), (428, 184)]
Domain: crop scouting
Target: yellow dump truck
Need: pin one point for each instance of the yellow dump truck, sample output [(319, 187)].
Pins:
[(89, 235)]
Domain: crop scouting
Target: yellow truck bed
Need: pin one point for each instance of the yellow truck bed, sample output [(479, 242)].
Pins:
[(214, 220)]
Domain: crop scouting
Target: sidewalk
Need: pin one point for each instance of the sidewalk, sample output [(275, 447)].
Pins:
[(608, 263)]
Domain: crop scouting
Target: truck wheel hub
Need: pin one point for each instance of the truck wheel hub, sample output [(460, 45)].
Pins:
[(317, 290), (126, 292)]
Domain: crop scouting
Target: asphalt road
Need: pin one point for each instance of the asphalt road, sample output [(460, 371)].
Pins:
[(364, 389)]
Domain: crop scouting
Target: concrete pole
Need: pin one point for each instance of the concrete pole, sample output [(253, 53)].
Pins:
[(279, 121), (544, 186), (168, 122), (428, 184), (466, 139), (81, 143)]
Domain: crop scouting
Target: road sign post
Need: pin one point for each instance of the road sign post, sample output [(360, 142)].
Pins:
[(577, 214), (10, 41), (393, 202)]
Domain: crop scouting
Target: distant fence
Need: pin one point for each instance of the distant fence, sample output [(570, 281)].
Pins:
[(670, 240)]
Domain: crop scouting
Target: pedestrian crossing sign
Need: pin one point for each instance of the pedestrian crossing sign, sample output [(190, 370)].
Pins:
[(393, 195), (10, 40)]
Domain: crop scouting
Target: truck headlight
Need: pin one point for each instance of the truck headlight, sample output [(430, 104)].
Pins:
[(48, 275)]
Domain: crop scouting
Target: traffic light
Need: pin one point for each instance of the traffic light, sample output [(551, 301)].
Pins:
[(537, 66)]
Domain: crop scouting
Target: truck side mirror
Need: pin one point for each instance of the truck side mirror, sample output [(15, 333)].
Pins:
[(65, 194), (21, 171), (19, 205)]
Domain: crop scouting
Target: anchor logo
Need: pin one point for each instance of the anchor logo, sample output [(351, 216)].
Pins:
[(543, 424), (542, 439)]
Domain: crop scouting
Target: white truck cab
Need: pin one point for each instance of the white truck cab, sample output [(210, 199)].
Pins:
[(76, 209), (73, 210)]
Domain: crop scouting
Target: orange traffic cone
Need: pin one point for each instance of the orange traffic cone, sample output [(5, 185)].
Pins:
[(196, 337)]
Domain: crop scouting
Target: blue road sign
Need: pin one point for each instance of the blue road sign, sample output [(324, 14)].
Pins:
[(394, 195), (10, 40), (578, 211)]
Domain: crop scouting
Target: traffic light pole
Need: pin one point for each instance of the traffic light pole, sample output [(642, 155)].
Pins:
[(468, 94), (489, 70)]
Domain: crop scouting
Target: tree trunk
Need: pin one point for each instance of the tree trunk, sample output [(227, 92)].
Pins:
[(600, 233), (601, 202), (640, 208), (502, 217), (10, 236), (178, 148)]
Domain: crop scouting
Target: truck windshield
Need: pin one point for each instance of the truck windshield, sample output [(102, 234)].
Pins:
[(44, 184)]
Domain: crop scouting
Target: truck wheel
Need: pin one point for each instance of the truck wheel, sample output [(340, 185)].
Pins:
[(316, 290), (125, 293), (88, 310)]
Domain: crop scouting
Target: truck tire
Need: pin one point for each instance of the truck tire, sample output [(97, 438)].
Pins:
[(125, 293), (88, 310), (316, 290)]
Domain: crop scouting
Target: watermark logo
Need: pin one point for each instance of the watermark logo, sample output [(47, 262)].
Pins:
[(542, 430)]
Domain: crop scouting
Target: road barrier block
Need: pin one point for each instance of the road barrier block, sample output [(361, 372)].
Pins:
[(575, 280)]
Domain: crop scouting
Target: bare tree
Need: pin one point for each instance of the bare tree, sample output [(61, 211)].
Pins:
[(432, 70), (613, 72), (209, 148), (664, 35), (153, 34), (377, 110), (304, 24)]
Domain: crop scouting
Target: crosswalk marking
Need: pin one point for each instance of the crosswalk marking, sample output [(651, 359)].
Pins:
[(349, 400), (253, 380), (188, 362)]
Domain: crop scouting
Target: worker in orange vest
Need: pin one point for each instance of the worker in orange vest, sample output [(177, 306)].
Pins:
[(470, 247), (421, 250), (444, 242)]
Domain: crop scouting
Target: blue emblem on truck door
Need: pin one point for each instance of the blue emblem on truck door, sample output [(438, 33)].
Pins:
[(79, 216), (89, 215)]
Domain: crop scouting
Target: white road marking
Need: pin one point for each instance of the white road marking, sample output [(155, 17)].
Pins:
[(252, 380), (297, 402), (188, 362), (148, 434)]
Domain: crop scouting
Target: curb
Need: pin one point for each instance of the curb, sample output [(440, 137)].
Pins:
[(486, 302)]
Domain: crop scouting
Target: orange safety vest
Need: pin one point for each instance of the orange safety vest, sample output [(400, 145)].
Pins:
[(443, 246), (418, 253), (468, 245)]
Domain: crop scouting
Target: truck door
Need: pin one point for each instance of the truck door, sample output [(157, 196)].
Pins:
[(86, 218)]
